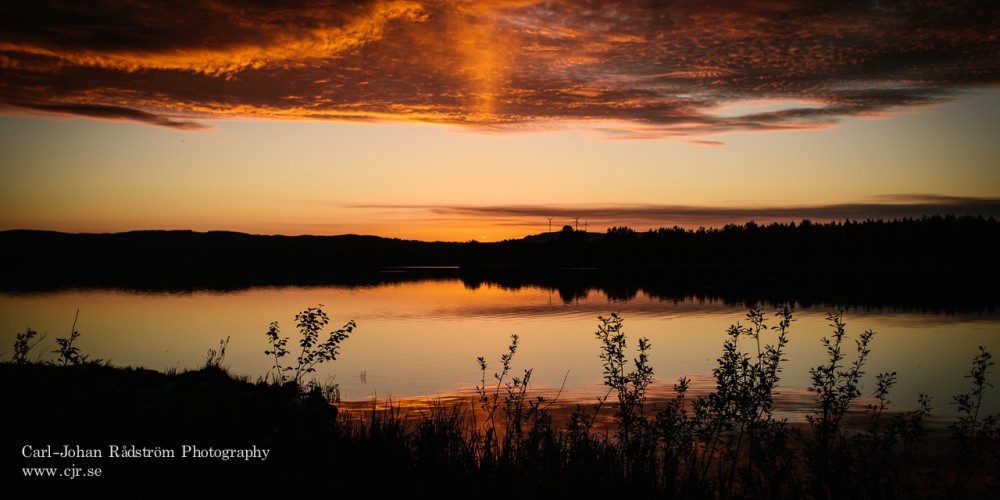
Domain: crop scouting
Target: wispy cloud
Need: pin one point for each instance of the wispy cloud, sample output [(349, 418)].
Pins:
[(651, 69), (706, 143), (111, 113), (642, 216)]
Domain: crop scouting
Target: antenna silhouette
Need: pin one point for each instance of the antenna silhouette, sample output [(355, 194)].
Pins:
[(550, 223)]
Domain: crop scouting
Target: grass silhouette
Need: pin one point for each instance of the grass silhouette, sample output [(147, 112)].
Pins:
[(727, 443)]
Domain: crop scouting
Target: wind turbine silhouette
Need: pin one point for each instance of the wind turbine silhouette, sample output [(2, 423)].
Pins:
[(550, 223), (577, 221), (585, 225)]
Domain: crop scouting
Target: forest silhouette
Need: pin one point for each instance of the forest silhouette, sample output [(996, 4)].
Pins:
[(943, 262)]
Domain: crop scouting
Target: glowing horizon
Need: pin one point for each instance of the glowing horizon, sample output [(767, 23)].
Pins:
[(453, 120)]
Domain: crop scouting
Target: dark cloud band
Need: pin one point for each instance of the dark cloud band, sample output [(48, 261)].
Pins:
[(886, 207), (111, 113)]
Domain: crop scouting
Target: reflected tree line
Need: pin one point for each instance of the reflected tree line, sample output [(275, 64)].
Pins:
[(946, 262)]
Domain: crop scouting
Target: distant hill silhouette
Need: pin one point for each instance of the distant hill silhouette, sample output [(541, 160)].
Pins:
[(947, 257)]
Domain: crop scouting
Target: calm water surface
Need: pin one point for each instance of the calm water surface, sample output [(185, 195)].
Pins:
[(420, 339)]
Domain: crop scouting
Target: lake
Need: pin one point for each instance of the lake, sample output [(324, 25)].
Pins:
[(421, 338)]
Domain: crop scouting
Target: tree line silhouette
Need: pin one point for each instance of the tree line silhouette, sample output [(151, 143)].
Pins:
[(904, 262)]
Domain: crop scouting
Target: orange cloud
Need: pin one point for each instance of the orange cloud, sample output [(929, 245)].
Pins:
[(650, 69), (274, 46)]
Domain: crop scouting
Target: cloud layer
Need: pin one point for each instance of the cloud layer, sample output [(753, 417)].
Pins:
[(646, 69), (641, 217)]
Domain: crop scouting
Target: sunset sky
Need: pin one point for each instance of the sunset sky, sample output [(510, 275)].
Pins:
[(458, 120)]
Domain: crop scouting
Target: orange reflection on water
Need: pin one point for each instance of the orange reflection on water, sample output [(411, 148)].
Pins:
[(467, 410), (421, 339)]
